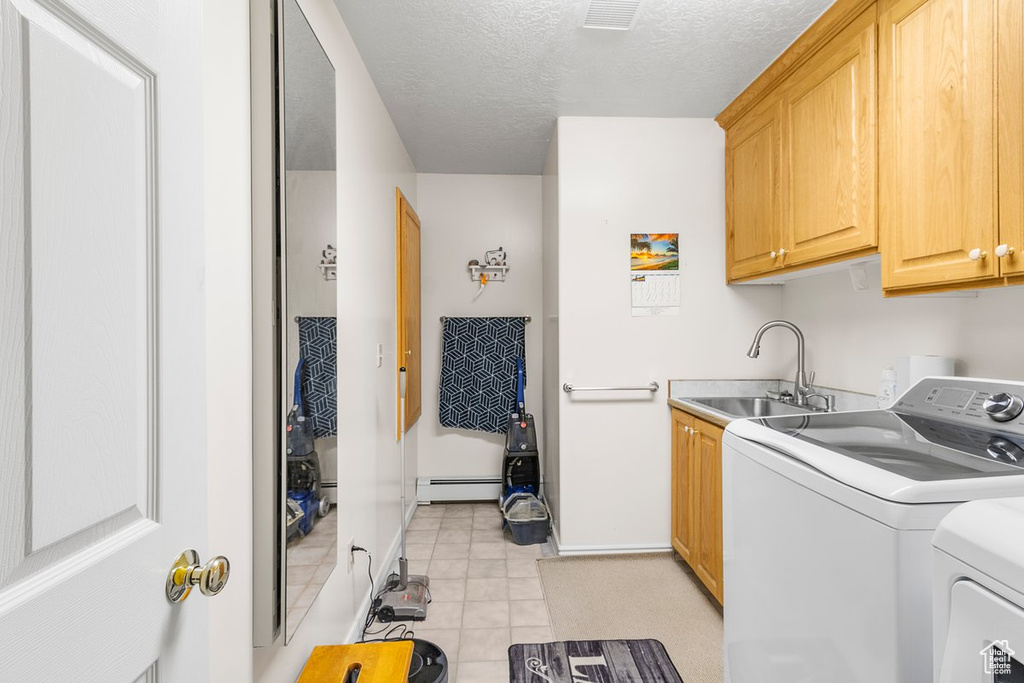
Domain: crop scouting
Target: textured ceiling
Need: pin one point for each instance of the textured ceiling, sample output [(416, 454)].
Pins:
[(474, 86), (309, 123)]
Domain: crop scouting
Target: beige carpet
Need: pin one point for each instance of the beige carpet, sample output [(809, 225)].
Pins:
[(636, 596)]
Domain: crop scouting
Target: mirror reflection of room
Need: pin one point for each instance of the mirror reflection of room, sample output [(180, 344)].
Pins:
[(309, 229)]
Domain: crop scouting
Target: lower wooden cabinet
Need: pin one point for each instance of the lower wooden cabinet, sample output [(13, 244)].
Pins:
[(697, 497)]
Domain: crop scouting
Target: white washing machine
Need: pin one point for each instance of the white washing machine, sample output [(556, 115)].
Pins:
[(979, 593), (828, 521)]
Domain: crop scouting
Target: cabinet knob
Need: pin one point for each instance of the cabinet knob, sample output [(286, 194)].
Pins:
[(782, 252), (1004, 250), (775, 254), (977, 254)]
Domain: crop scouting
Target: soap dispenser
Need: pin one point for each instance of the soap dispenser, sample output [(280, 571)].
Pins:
[(887, 388)]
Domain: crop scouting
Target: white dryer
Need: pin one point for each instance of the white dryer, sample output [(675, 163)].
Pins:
[(979, 593)]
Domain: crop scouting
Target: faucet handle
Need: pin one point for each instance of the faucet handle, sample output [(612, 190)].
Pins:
[(829, 399), (810, 380)]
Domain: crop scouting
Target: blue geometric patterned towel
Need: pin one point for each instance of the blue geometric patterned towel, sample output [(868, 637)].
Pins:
[(318, 344), (478, 372)]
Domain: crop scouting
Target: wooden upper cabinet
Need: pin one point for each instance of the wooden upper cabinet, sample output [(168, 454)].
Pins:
[(1011, 137), (752, 208), (828, 141), (937, 155), (801, 151)]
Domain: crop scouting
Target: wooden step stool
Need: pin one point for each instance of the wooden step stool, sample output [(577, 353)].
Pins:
[(376, 662)]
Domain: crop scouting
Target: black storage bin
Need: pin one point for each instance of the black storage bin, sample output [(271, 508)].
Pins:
[(527, 517)]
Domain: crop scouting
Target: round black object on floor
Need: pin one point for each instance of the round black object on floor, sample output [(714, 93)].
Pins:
[(429, 663)]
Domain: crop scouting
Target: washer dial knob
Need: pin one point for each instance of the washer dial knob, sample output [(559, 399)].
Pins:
[(1003, 407)]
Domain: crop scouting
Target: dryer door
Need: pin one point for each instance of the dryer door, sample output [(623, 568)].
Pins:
[(984, 631)]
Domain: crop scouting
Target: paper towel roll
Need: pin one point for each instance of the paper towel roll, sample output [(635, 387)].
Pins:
[(912, 369)]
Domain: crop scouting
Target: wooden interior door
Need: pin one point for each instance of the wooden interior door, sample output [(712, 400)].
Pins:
[(828, 156), (707, 455), (1011, 136), (752, 206), (682, 485), (937, 158), (102, 340), (408, 271)]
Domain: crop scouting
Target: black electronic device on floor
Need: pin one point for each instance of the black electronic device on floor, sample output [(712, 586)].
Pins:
[(429, 663)]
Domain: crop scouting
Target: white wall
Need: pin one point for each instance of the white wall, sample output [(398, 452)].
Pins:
[(461, 217), (371, 162), (617, 176), (552, 390), (311, 205), (852, 335), (228, 323)]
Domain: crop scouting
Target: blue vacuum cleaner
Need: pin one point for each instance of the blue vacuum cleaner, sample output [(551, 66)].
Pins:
[(521, 465), (305, 501)]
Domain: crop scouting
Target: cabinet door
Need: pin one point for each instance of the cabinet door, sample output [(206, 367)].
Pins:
[(828, 149), (682, 481), (708, 520), (1011, 136), (752, 206), (937, 162)]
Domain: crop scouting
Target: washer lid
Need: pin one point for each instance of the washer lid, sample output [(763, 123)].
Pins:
[(897, 457), (985, 534)]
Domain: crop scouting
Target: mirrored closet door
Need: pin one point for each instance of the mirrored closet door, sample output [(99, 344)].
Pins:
[(307, 185)]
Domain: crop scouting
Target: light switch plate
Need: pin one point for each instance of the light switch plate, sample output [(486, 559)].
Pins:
[(380, 355)]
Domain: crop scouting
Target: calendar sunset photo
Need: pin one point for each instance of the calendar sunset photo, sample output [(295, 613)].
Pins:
[(654, 251)]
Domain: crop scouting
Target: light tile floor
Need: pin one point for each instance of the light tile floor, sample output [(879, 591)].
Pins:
[(486, 591), (311, 560)]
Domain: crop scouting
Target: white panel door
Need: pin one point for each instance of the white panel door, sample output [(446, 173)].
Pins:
[(102, 462)]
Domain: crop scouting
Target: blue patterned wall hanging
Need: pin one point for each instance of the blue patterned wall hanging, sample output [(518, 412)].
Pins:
[(478, 372), (318, 344)]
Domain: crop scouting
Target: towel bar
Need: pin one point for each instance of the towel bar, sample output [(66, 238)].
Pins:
[(525, 317), (652, 387)]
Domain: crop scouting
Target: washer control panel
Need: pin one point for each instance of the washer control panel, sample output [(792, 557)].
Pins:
[(985, 404), (1003, 406)]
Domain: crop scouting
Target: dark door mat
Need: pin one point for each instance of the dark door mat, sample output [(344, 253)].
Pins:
[(592, 661)]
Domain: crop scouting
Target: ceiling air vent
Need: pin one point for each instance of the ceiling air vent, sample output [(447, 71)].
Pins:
[(619, 15)]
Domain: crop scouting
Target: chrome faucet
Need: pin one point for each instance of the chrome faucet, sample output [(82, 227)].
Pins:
[(801, 388)]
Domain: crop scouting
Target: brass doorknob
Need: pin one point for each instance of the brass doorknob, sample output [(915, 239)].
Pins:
[(186, 573)]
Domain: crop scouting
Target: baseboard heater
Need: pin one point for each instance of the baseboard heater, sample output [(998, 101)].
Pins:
[(330, 489), (447, 489)]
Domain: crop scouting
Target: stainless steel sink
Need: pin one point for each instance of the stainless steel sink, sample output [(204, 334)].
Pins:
[(751, 407)]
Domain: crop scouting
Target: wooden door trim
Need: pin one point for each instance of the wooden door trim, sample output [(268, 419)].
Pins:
[(402, 206)]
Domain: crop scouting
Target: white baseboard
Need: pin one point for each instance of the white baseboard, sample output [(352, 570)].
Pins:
[(454, 489), (383, 570), (627, 549)]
